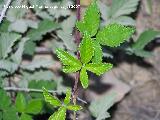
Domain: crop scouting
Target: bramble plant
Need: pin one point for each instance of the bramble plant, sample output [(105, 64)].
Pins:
[(90, 53)]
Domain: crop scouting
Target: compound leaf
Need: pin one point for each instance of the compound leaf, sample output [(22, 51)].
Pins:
[(51, 99), (68, 97), (86, 49), (114, 34), (84, 78), (71, 64), (99, 68), (59, 115), (90, 23)]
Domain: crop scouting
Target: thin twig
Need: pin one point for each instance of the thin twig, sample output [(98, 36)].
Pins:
[(28, 90), (4, 10)]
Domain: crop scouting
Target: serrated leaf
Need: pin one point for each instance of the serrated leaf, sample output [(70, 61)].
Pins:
[(34, 106), (20, 103), (44, 27), (18, 26), (114, 34), (98, 68), (29, 48), (36, 64), (59, 12), (25, 117), (59, 115), (68, 97), (16, 12), (17, 56), (51, 99), (84, 78), (7, 40), (38, 84), (97, 58), (5, 100), (86, 49), (7, 67), (74, 107), (99, 107), (124, 20), (90, 23), (146, 37), (122, 7), (38, 75), (143, 53), (71, 64)]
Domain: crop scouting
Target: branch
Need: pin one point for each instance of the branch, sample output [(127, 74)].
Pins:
[(4, 10), (27, 90)]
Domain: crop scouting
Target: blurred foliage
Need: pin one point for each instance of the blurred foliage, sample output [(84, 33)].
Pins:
[(24, 30)]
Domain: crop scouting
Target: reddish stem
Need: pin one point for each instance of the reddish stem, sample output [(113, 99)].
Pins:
[(77, 39)]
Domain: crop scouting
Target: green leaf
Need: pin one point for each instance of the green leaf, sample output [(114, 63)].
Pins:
[(114, 34), (68, 97), (10, 114), (74, 107), (38, 75), (66, 33), (71, 64), (122, 7), (90, 23), (146, 37), (20, 103), (86, 49), (98, 108), (44, 27), (7, 41), (59, 115), (51, 99), (29, 48), (143, 53), (37, 63), (34, 106), (84, 77), (17, 56), (15, 13), (4, 26), (97, 58), (98, 68), (18, 26), (38, 84), (5, 100), (7, 67), (25, 117)]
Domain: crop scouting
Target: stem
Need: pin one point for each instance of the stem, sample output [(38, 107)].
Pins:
[(4, 10), (77, 38)]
